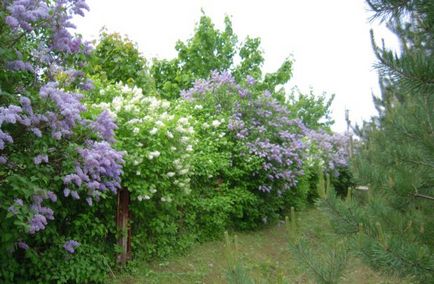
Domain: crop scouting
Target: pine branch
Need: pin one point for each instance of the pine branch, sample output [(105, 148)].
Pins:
[(301, 251), (398, 256), (420, 163), (424, 196), (348, 220), (427, 105), (397, 250), (398, 67), (384, 10)]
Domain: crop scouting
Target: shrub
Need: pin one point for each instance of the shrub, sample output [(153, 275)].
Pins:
[(54, 162)]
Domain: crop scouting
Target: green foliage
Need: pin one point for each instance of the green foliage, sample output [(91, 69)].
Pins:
[(343, 181), (168, 79), (117, 59), (278, 79), (222, 208), (251, 60), (79, 268), (313, 110), (159, 231), (303, 194), (208, 49), (42, 263), (327, 269)]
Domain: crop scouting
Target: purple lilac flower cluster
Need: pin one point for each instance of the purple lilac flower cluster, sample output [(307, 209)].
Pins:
[(23, 13), (19, 65), (99, 171), (23, 115), (29, 14), (41, 214), (282, 162), (23, 245), (62, 39), (3, 160), (275, 138), (8, 114), (69, 107), (61, 122), (39, 159), (217, 80), (71, 245), (105, 126), (15, 207), (250, 80), (333, 148)]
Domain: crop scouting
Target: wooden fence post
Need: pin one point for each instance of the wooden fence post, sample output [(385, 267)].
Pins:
[(122, 219)]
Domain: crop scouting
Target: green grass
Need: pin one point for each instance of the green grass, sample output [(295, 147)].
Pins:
[(261, 257)]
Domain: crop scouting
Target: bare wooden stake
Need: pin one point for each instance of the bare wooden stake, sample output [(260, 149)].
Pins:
[(122, 220)]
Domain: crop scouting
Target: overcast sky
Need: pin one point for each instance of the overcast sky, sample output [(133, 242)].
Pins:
[(328, 40)]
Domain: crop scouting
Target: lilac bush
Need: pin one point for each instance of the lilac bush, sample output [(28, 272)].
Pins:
[(49, 149), (98, 165), (263, 124), (259, 122)]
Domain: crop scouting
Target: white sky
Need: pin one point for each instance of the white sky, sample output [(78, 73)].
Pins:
[(329, 40)]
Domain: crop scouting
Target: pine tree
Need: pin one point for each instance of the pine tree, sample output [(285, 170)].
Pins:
[(393, 224)]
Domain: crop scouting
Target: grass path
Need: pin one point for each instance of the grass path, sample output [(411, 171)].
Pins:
[(264, 254)]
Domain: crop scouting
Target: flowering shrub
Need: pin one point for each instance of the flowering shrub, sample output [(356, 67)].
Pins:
[(49, 154), (242, 165), (259, 123), (157, 139)]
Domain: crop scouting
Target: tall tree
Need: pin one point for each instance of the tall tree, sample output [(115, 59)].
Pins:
[(213, 50)]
